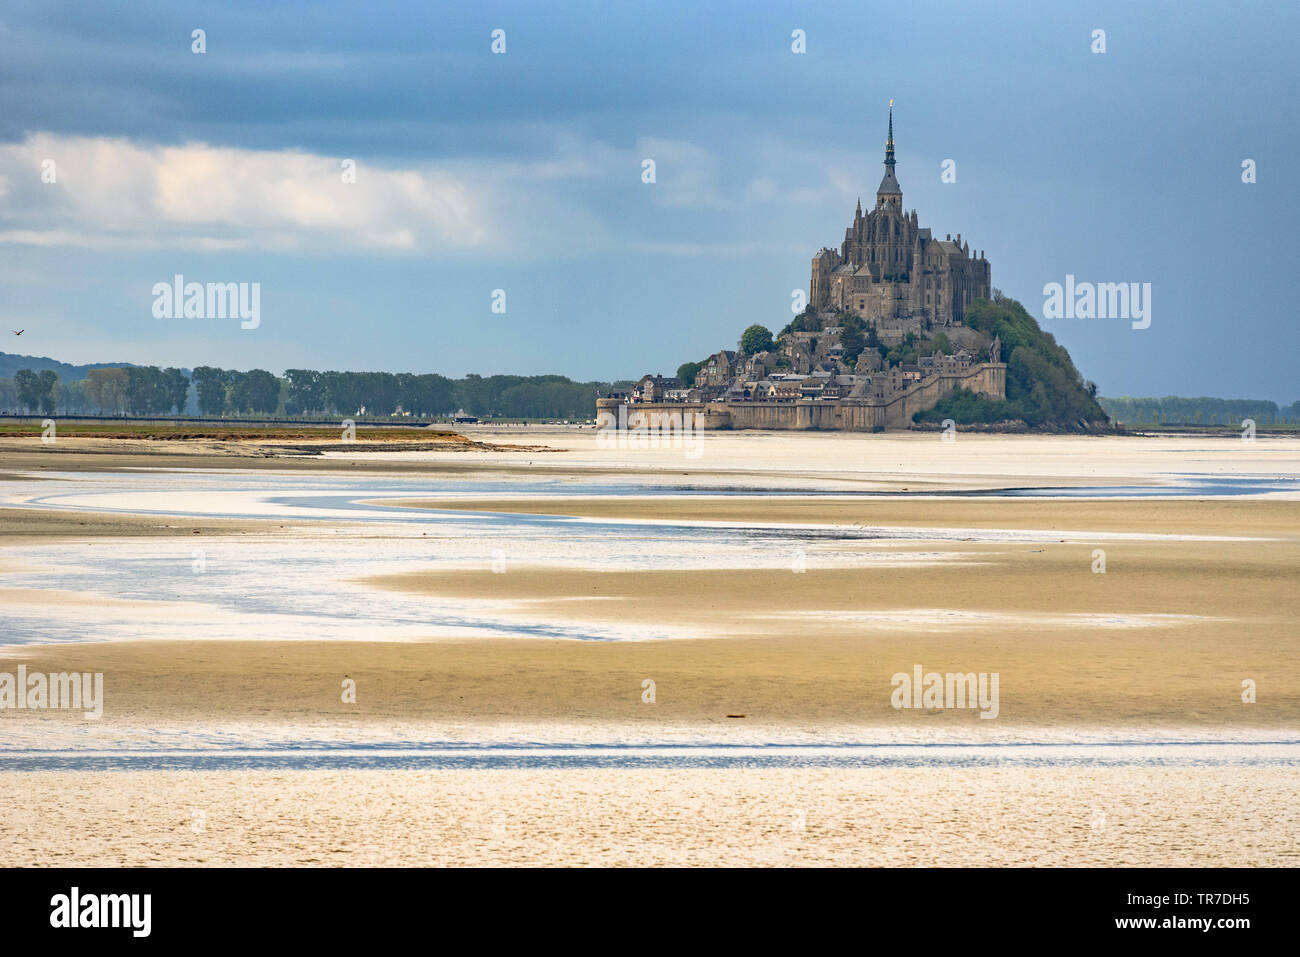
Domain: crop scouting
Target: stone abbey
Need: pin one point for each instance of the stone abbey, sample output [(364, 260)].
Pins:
[(891, 271), (882, 338)]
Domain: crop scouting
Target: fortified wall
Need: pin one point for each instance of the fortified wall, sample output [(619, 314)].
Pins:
[(855, 415)]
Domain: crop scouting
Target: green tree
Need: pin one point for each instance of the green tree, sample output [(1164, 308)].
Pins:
[(259, 391), (152, 391), (72, 397), (806, 321), (852, 337), (38, 391), (431, 394), (106, 389), (305, 392), (342, 391), (755, 339), (29, 388), (380, 393), (1044, 389), (687, 372), (49, 391), (210, 383), (177, 385)]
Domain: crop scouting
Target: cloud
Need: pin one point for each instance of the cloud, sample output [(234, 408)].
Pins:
[(765, 171), (572, 198), (111, 192)]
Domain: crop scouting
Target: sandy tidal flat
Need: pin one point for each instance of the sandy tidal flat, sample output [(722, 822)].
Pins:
[(1163, 817), (768, 589)]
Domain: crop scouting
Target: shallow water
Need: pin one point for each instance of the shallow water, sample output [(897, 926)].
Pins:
[(302, 586), (460, 755)]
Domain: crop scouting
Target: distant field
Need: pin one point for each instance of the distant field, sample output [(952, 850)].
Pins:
[(233, 433)]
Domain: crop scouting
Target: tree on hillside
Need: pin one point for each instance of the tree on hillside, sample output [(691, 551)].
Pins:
[(852, 337), (1044, 389), (687, 372), (755, 339), (806, 321)]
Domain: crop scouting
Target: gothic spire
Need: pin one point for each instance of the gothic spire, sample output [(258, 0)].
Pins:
[(889, 143), (889, 185)]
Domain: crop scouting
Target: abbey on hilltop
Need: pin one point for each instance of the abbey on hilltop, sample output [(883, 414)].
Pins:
[(892, 271), (881, 339)]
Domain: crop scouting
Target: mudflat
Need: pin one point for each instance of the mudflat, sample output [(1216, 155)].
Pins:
[(1134, 615)]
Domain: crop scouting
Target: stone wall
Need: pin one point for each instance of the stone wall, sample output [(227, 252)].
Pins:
[(855, 415)]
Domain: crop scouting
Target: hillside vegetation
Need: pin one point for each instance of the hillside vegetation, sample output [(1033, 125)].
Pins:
[(1044, 389)]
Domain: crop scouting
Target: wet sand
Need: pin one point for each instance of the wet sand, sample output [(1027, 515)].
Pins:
[(1163, 638), (1155, 817), (1159, 643), (32, 526), (1188, 516)]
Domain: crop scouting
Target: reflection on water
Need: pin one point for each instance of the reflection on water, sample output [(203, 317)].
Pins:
[(304, 586), (332, 485), (444, 755)]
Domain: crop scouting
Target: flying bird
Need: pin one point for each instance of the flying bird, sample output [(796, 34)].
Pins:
[(18, 332)]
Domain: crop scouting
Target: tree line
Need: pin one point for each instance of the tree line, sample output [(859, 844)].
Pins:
[(135, 390), (1202, 410), (149, 390)]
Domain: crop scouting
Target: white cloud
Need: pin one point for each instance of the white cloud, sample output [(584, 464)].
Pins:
[(115, 193), (568, 201)]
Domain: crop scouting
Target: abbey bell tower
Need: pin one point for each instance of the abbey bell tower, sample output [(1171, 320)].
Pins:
[(890, 193)]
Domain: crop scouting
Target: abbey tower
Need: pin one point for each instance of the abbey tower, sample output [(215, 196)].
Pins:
[(892, 272)]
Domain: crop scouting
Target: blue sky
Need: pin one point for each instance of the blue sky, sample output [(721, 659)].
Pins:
[(522, 172)]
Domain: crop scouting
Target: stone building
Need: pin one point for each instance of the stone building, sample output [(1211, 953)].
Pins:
[(655, 388), (891, 271)]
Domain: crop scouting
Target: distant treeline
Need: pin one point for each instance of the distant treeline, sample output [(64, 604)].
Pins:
[(1203, 410), (135, 390), (149, 390)]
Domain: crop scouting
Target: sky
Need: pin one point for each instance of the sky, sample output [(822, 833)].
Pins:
[(522, 172)]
